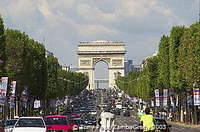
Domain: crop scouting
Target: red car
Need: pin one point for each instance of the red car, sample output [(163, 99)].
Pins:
[(57, 123), (73, 116)]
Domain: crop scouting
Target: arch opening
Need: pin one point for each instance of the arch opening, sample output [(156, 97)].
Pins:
[(101, 75)]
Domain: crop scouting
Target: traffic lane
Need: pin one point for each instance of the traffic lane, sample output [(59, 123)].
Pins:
[(125, 121), (182, 128), (130, 121), (125, 124)]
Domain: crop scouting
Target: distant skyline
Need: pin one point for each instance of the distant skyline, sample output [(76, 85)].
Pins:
[(62, 24)]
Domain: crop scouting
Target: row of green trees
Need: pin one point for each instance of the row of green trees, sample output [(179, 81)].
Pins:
[(26, 61), (176, 66)]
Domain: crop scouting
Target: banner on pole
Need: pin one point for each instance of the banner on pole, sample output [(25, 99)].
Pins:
[(12, 98), (172, 101), (152, 103), (177, 100), (196, 95), (3, 90), (24, 97), (157, 97), (165, 96), (37, 104)]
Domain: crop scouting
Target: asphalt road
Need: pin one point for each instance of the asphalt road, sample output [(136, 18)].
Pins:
[(125, 124), (183, 128), (130, 121)]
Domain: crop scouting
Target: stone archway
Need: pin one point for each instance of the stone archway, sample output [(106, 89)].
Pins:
[(112, 53)]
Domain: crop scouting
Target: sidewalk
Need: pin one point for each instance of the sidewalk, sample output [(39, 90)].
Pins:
[(184, 124)]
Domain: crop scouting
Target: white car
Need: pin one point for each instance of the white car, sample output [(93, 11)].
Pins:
[(30, 124)]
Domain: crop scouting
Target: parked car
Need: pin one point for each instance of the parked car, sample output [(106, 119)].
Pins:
[(57, 123), (30, 124), (9, 125)]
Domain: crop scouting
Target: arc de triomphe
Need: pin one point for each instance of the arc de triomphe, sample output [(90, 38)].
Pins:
[(112, 53)]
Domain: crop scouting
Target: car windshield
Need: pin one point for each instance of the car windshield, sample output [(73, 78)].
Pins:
[(30, 123), (56, 121), (10, 122)]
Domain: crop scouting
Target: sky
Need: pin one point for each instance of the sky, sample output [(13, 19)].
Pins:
[(62, 24)]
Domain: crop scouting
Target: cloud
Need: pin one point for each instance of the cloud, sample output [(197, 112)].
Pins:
[(63, 23), (134, 8), (96, 30), (43, 7), (92, 13)]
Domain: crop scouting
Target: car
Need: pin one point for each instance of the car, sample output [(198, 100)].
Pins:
[(9, 124), (57, 123), (161, 125), (126, 113), (1, 125), (78, 124), (118, 105), (30, 124), (117, 111), (90, 120), (73, 115)]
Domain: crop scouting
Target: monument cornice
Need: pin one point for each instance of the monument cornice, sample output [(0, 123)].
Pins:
[(100, 52), (86, 68), (101, 43), (116, 68)]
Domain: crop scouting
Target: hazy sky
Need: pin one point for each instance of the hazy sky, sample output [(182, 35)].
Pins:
[(64, 23)]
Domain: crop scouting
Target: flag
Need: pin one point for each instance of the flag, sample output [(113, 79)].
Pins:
[(12, 98), (165, 95), (3, 90), (37, 104), (196, 96), (157, 97), (172, 101), (24, 97)]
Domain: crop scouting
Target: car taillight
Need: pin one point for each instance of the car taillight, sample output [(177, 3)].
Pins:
[(75, 127)]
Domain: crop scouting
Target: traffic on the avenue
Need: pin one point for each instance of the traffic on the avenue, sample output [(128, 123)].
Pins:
[(101, 110)]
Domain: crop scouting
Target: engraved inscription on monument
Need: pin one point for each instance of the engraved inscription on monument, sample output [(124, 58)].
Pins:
[(85, 62), (117, 62)]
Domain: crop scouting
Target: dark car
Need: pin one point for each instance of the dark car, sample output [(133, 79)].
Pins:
[(1, 126), (126, 113), (90, 120), (161, 125), (117, 111)]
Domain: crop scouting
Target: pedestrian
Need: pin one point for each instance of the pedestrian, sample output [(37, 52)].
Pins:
[(147, 121), (140, 113)]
